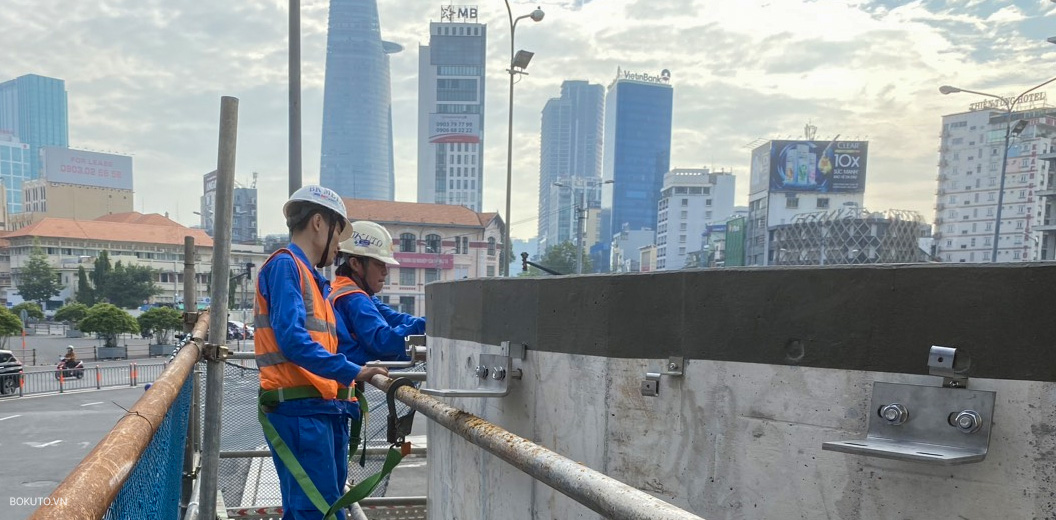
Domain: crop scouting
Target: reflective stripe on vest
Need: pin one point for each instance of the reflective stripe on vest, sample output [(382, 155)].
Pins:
[(343, 286), (275, 370)]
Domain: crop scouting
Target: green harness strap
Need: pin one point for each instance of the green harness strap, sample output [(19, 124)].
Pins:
[(358, 492)]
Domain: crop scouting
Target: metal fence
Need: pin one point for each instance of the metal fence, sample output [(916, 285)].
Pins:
[(246, 476), (96, 377)]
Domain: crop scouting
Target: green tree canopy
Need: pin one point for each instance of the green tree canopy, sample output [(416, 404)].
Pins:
[(32, 310), (37, 280), (161, 321), (72, 312), (560, 258), (10, 325), (108, 321), (85, 293), (129, 286)]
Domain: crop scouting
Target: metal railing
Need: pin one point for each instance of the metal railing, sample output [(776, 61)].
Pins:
[(87, 378)]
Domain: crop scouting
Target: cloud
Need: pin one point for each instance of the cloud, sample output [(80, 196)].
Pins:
[(145, 77)]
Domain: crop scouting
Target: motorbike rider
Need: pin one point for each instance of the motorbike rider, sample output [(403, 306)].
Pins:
[(70, 359)]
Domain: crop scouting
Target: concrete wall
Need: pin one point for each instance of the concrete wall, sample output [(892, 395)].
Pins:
[(778, 362)]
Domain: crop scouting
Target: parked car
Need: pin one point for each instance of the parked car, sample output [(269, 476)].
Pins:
[(239, 330), (10, 372)]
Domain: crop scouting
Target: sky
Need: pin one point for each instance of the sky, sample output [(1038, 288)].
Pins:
[(145, 78)]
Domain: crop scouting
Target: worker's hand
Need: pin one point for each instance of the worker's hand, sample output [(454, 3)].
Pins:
[(368, 373)]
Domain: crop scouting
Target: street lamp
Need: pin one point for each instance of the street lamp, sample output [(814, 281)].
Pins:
[(518, 62), (1010, 131), (580, 208)]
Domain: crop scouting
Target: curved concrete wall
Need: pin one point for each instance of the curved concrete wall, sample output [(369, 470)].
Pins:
[(777, 362)]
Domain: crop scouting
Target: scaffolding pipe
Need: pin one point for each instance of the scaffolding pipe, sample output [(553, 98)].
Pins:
[(214, 374), (597, 491), (91, 487), (191, 443)]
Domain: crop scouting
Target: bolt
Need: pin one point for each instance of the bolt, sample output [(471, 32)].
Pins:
[(968, 421), (672, 366), (895, 414), (482, 371), (498, 373)]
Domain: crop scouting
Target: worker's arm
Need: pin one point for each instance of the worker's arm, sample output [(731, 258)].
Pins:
[(413, 324), (375, 338), (280, 287)]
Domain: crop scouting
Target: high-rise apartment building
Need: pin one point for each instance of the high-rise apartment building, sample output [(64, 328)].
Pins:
[(969, 180), (690, 200), (33, 109), (637, 151), (357, 157), (243, 212), (15, 166), (451, 110), (571, 155), (791, 178)]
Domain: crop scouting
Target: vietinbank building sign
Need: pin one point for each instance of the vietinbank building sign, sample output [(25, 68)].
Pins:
[(819, 166), (663, 79)]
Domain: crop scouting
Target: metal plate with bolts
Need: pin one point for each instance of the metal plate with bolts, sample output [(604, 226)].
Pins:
[(493, 373), (928, 424), (674, 367)]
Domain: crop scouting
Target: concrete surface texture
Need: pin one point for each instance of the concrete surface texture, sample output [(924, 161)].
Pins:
[(778, 361), (729, 440)]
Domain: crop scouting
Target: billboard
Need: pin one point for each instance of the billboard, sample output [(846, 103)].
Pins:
[(454, 128), (735, 242), (760, 169), (102, 170), (818, 166)]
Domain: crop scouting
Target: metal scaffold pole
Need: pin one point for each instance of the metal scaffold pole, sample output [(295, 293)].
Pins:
[(214, 376)]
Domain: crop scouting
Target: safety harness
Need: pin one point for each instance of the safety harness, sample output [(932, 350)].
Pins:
[(398, 429)]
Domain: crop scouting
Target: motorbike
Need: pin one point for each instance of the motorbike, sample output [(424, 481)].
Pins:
[(64, 369)]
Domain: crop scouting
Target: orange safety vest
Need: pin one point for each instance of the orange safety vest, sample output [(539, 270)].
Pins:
[(275, 370), (343, 286)]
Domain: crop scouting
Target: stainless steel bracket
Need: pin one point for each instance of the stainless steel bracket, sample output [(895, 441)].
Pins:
[(416, 351), (493, 373), (944, 425), (651, 385)]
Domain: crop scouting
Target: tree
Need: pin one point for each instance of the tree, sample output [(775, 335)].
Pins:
[(108, 321), (161, 321), (10, 325), (129, 286), (85, 293), (560, 258), (32, 310), (72, 312), (100, 273), (37, 280)]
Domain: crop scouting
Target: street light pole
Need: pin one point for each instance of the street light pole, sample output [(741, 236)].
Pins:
[(1010, 105), (536, 16)]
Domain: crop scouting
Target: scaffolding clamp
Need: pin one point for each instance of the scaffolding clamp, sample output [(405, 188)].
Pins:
[(215, 352)]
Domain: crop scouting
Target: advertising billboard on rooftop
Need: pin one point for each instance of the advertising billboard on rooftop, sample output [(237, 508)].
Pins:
[(103, 170), (818, 166)]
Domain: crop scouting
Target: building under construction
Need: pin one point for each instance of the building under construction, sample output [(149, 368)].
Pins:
[(850, 235)]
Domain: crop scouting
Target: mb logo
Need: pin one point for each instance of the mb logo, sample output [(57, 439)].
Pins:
[(450, 13)]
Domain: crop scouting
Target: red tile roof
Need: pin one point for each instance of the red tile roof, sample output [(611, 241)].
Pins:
[(112, 231), (386, 212), (135, 217)]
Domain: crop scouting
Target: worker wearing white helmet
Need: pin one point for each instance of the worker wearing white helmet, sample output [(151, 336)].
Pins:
[(368, 330), (305, 397)]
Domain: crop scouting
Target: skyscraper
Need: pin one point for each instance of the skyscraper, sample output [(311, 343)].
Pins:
[(33, 109), (451, 110), (357, 157), (570, 153), (637, 151)]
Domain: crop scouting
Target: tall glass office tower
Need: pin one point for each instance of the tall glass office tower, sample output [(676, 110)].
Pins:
[(637, 151), (570, 153), (32, 109), (451, 110), (357, 157)]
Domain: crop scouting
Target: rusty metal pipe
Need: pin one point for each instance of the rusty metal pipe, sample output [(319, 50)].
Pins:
[(602, 494), (88, 491)]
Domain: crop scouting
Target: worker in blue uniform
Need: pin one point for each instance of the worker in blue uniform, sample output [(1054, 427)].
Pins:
[(305, 400), (368, 329)]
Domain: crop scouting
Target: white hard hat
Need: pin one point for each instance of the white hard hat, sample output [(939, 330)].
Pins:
[(369, 239), (320, 196)]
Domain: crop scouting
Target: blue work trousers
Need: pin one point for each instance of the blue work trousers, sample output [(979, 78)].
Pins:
[(320, 444)]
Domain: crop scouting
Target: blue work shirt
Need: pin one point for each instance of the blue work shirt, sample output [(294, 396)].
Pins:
[(279, 284), (379, 331)]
